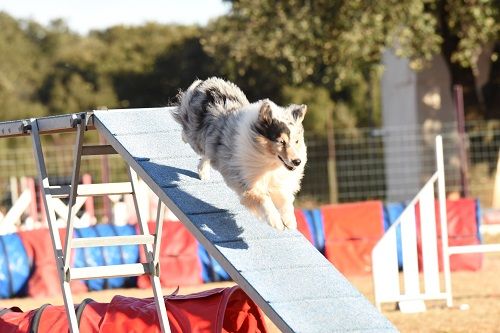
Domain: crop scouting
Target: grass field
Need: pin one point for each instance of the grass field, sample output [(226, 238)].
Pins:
[(476, 298)]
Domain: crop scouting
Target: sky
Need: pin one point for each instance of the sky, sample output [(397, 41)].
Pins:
[(85, 15)]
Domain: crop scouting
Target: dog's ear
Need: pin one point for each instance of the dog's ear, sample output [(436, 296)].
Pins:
[(299, 112), (265, 113)]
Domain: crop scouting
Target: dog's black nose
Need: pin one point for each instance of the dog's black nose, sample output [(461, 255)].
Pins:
[(296, 162)]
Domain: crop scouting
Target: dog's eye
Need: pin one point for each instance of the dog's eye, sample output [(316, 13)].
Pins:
[(280, 141), (297, 141)]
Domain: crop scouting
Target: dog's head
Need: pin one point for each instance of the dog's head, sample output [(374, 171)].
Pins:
[(280, 133)]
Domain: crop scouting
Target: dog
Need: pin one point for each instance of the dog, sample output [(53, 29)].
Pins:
[(257, 147)]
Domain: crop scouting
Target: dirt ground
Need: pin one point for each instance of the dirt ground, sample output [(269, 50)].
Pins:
[(476, 298)]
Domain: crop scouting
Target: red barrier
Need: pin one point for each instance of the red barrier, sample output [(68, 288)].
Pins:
[(458, 262), (179, 262), (351, 232), (44, 281), (221, 310), (461, 216), (302, 225), (89, 203), (30, 184), (352, 257), (462, 230), (359, 220)]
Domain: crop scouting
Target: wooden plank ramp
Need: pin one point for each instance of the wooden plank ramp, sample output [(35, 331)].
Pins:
[(297, 288)]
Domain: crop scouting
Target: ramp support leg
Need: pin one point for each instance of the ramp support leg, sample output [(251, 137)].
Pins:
[(152, 253), (63, 256), (54, 232)]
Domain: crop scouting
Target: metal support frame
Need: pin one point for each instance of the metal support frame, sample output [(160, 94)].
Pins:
[(151, 243), (152, 253), (443, 218)]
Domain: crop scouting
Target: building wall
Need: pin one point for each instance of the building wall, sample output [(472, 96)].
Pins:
[(419, 103)]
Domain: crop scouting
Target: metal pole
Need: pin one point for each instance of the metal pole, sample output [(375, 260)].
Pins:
[(108, 210), (54, 232), (331, 162), (75, 180), (444, 220), (459, 110), (152, 253)]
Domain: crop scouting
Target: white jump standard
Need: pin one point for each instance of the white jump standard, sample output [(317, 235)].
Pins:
[(297, 288)]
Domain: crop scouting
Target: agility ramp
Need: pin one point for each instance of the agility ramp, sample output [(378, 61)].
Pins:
[(297, 288)]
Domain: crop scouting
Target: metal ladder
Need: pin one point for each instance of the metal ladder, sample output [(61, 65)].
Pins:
[(151, 243)]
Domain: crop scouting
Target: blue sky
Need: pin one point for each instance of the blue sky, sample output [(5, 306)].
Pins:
[(84, 15)]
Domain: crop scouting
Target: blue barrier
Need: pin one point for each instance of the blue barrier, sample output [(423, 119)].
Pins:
[(478, 221), (107, 255), (14, 266), (314, 220), (89, 257), (391, 213), (117, 255), (211, 271)]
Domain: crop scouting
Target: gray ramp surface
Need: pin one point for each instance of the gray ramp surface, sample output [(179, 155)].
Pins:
[(297, 288)]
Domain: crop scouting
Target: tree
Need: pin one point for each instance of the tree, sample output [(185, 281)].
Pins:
[(334, 43), (21, 71)]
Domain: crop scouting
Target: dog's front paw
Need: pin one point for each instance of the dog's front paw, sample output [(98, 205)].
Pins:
[(275, 221), (204, 174), (204, 169), (290, 221)]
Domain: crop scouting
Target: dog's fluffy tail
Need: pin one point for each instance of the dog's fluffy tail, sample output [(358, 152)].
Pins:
[(211, 97), (202, 104)]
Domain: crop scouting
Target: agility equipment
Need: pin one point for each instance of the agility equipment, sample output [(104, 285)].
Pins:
[(220, 310), (351, 232), (298, 289), (385, 254), (433, 243), (14, 266)]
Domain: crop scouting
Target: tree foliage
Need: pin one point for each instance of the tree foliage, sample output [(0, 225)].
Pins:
[(324, 53), (327, 41)]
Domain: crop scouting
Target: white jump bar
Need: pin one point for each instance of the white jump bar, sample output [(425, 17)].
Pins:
[(98, 272), (112, 241), (474, 248), (86, 190)]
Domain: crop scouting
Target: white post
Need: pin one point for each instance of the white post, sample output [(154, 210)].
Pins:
[(444, 220), (496, 188), (14, 194)]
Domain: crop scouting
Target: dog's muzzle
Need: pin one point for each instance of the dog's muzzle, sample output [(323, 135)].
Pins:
[(289, 167)]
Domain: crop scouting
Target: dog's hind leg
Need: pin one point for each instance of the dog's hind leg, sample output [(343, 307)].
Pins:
[(204, 168), (262, 206)]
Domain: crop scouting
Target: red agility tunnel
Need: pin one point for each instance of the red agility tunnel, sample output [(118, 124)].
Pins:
[(220, 310)]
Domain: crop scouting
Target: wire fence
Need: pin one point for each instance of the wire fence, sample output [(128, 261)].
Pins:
[(389, 164)]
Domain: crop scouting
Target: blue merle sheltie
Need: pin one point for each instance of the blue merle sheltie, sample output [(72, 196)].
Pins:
[(257, 147)]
